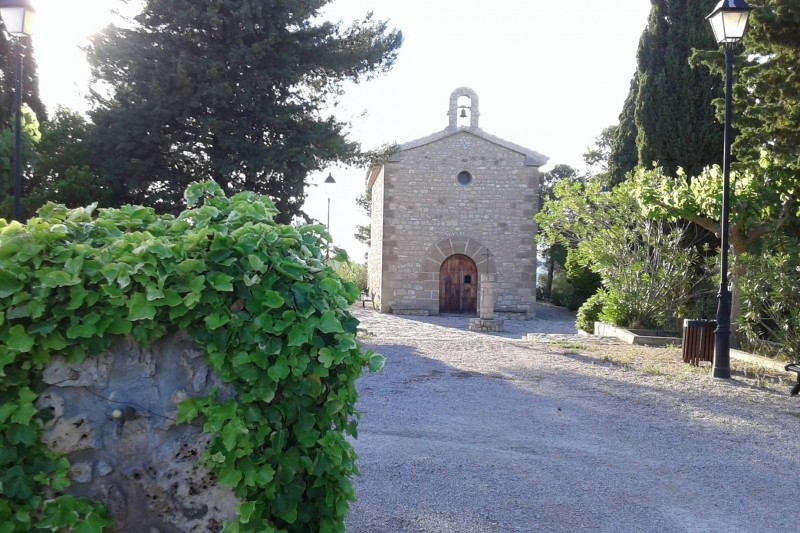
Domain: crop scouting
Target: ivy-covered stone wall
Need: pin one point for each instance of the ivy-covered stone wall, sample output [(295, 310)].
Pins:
[(257, 299), (114, 418)]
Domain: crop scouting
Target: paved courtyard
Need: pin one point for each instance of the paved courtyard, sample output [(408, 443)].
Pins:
[(468, 432)]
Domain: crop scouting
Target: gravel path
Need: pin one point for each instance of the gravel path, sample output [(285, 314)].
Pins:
[(468, 432)]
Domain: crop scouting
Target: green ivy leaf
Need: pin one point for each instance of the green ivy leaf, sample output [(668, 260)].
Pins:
[(91, 523), (244, 511), (140, 308), (19, 340), (20, 434), (216, 321), (9, 284), (189, 409), (25, 408), (329, 323), (229, 477), (218, 457), (54, 341), (265, 475), (119, 326), (325, 357), (279, 369), (273, 300), (231, 432), (81, 331), (153, 293), (376, 363), (17, 484), (221, 282), (256, 263), (298, 335), (57, 278), (5, 411), (330, 286)]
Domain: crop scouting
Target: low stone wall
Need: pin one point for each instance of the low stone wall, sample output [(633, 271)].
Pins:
[(485, 325), (113, 416), (513, 315), (410, 312)]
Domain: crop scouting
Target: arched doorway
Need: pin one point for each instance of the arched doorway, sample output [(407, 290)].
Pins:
[(458, 285)]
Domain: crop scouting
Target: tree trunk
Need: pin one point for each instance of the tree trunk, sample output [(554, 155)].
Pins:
[(738, 246), (548, 288)]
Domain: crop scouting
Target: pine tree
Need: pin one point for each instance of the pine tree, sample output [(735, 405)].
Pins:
[(230, 90)]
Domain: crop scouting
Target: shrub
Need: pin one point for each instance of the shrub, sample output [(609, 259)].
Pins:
[(583, 280), (355, 273), (589, 312), (256, 296), (644, 263), (770, 291), (561, 293)]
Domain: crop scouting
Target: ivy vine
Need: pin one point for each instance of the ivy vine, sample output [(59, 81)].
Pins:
[(257, 297)]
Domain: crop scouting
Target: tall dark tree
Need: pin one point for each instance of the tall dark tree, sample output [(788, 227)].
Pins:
[(674, 122), (8, 77), (623, 156), (767, 93), (231, 90), (9, 61), (62, 172)]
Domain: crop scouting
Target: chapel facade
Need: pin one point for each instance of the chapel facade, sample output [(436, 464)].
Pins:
[(449, 208)]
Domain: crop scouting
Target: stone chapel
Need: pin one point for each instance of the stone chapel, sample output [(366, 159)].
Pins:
[(448, 208)]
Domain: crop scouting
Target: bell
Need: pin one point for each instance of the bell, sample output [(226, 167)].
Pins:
[(463, 113)]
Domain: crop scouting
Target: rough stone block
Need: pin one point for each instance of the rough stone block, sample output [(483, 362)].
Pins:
[(93, 370), (124, 449)]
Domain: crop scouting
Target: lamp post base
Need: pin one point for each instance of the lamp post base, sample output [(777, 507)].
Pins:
[(721, 367)]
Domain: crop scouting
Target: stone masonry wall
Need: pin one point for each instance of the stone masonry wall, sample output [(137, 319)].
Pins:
[(113, 416), (425, 204), (375, 257)]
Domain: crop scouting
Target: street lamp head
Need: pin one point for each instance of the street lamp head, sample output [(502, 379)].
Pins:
[(18, 16), (729, 21), (329, 180)]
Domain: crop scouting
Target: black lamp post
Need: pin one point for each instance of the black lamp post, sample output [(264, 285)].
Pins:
[(18, 17), (327, 183), (729, 22)]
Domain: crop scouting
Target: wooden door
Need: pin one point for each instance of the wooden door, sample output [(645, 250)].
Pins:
[(458, 285)]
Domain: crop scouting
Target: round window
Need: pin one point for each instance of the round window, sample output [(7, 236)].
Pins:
[(464, 177)]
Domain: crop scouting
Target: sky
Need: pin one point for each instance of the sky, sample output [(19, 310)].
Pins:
[(549, 74)]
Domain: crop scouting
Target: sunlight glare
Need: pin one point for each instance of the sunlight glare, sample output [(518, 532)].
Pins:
[(62, 29)]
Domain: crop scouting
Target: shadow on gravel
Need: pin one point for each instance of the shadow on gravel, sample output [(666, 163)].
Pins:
[(554, 446)]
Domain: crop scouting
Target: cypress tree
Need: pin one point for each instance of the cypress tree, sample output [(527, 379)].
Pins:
[(670, 103), (624, 157)]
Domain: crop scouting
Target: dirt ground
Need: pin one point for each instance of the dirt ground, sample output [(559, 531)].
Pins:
[(540, 429)]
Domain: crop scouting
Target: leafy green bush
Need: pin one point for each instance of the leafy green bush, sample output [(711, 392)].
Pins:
[(770, 291), (589, 312), (355, 273), (561, 291), (258, 297), (644, 264), (584, 281)]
